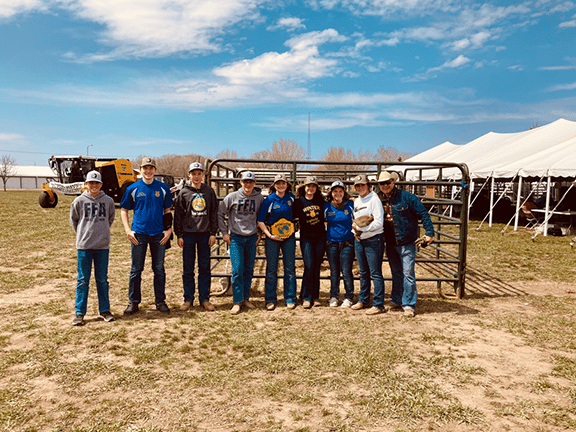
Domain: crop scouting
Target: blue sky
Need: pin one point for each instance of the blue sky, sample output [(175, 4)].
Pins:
[(177, 77)]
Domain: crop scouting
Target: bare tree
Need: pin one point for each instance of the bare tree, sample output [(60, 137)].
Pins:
[(390, 154), (228, 154), (8, 169), (281, 150), (176, 165)]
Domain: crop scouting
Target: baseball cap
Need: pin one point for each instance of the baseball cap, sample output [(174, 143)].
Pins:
[(247, 175), (337, 183), (361, 179), (311, 180), (280, 177), (94, 176), (147, 161), (196, 166)]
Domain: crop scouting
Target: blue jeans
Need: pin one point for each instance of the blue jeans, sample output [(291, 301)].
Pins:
[(85, 258), (242, 257), (402, 260), (272, 249), (340, 258), (369, 254), (138, 256), (193, 241), (312, 255)]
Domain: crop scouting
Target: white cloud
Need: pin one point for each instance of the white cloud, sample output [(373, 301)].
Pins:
[(431, 72), (302, 62), (7, 137), (457, 62), (568, 24), (516, 67), (563, 7), (385, 8), (562, 87), (287, 23), (157, 28), (470, 26), (9, 8)]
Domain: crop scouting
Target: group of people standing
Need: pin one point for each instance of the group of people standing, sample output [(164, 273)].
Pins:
[(335, 226)]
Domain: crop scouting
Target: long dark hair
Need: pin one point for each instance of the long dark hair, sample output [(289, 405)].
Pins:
[(272, 189), (330, 198), (301, 192)]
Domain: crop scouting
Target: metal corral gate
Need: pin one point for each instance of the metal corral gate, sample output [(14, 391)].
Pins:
[(446, 198)]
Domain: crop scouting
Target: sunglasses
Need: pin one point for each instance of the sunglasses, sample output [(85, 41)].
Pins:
[(388, 182)]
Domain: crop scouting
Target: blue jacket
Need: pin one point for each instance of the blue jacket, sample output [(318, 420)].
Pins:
[(407, 209)]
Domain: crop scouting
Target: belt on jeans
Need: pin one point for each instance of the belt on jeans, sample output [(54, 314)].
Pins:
[(341, 244)]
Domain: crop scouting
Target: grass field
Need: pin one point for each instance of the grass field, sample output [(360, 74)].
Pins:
[(503, 359)]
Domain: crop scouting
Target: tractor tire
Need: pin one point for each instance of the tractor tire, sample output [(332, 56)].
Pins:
[(45, 202), (123, 189)]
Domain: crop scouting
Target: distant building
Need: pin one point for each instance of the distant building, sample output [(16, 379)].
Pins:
[(30, 177)]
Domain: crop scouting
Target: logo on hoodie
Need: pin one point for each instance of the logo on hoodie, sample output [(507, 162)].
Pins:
[(198, 203)]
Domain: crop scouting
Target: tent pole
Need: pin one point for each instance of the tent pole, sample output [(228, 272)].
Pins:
[(491, 202), (470, 196), (518, 203), (547, 206)]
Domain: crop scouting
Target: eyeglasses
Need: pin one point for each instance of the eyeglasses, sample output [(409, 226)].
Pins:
[(388, 182)]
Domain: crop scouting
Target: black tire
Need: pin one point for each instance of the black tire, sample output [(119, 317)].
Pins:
[(45, 202), (123, 189)]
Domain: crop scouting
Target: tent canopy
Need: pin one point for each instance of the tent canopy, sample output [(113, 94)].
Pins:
[(548, 150)]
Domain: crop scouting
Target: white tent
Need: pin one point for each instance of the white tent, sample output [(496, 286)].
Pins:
[(544, 151), (547, 152)]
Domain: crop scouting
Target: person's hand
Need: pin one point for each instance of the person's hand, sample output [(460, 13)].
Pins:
[(132, 237), (181, 242), (226, 238), (166, 237), (429, 240), (212, 240), (276, 238), (259, 238)]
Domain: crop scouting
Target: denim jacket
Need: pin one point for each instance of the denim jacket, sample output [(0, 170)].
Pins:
[(407, 209)]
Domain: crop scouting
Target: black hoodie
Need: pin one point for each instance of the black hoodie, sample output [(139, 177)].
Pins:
[(196, 211)]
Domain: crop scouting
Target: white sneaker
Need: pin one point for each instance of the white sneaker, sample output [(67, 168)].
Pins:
[(346, 304), (333, 302)]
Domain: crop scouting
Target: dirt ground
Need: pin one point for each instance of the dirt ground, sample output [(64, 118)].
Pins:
[(510, 366)]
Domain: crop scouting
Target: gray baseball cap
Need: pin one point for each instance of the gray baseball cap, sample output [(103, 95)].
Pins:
[(247, 175), (196, 166), (94, 176)]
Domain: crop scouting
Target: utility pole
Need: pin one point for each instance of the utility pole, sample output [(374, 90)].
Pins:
[(309, 155)]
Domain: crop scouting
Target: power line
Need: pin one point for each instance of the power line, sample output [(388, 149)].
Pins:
[(27, 152)]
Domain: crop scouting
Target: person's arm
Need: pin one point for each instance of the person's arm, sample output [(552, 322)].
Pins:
[(167, 232), (111, 212), (222, 212), (213, 214), (127, 229), (424, 216), (375, 210), (74, 217), (267, 233)]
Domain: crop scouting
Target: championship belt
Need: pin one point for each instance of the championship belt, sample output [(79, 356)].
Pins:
[(282, 228)]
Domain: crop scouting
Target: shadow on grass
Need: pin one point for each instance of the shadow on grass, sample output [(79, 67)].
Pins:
[(429, 303), (478, 285)]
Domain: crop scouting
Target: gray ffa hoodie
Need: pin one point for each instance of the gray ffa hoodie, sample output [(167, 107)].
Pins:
[(91, 219), (242, 212)]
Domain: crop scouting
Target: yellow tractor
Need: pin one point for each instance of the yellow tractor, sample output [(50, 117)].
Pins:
[(117, 175)]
